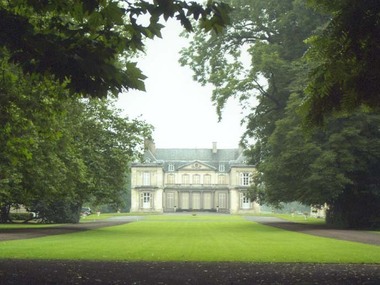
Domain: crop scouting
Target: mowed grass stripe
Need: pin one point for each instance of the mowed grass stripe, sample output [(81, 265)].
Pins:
[(192, 238)]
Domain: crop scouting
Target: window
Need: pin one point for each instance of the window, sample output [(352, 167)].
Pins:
[(207, 179), (222, 200), (244, 179), (146, 178), (170, 200), (145, 200), (222, 179), (171, 167), (222, 168), (185, 179), (171, 179), (245, 201), (196, 179)]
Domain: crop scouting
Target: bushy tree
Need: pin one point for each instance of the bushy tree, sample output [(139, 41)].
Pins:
[(59, 151), (336, 165)]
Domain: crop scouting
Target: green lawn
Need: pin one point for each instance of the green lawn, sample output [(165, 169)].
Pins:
[(192, 238)]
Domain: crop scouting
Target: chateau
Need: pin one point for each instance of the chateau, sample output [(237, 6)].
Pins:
[(177, 180)]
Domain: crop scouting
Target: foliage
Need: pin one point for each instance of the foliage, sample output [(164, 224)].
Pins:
[(344, 59), (59, 151), (91, 42), (336, 165), (255, 59), (21, 216)]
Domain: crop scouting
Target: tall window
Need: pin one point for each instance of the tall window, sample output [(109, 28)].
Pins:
[(170, 200), (222, 168), (171, 179), (222, 201), (146, 179), (244, 179), (171, 167), (207, 179), (196, 179), (222, 179), (185, 179)]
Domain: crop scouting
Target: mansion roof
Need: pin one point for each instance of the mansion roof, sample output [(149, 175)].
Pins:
[(178, 158)]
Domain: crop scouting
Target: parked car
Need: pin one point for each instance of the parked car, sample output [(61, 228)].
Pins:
[(86, 211)]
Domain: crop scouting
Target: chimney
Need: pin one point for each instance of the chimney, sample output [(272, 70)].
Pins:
[(149, 145), (214, 148)]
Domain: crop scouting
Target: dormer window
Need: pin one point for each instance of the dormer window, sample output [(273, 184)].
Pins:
[(171, 167), (222, 168)]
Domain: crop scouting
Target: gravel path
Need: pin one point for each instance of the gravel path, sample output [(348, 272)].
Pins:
[(319, 230), (180, 273), (13, 234)]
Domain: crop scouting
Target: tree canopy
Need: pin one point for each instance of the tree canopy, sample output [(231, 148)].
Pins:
[(91, 43), (58, 152), (257, 59), (345, 59), (302, 67)]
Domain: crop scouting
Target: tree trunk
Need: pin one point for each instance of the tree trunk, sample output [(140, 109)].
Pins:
[(4, 214), (355, 210)]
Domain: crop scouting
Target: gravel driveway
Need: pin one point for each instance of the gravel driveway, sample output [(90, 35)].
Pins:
[(319, 230)]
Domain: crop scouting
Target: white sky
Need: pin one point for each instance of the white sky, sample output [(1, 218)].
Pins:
[(179, 108)]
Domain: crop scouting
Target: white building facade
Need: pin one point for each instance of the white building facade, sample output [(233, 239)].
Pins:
[(178, 180)]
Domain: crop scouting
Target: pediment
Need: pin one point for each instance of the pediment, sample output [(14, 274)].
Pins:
[(196, 166)]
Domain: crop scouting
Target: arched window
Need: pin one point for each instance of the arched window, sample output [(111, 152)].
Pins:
[(244, 179)]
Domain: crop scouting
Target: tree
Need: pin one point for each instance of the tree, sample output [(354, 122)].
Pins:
[(59, 151), (270, 36), (91, 42), (344, 58), (333, 165), (336, 165)]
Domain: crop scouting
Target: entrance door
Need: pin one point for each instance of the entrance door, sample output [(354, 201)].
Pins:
[(185, 201), (196, 200), (146, 200), (207, 201), (222, 201), (245, 201), (170, 200)]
